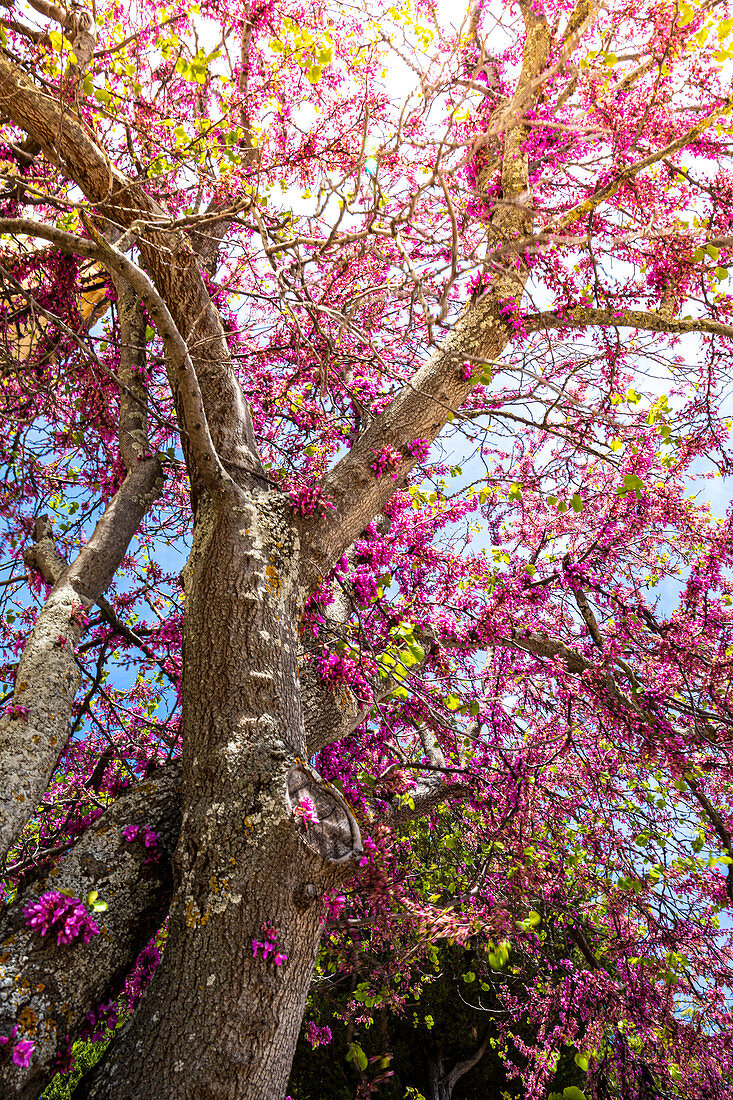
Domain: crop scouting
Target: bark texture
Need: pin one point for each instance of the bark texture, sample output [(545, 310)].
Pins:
[(221, 1017)]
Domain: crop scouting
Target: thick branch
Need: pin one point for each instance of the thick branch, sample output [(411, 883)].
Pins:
[(625, 175), (330, 712), (47, 989), (460, 1069), (418, 412), (133, 430), (34, 732), (580, 316), (424, 798), (439, 388)]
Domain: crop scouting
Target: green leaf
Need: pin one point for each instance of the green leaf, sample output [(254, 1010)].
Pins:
[(721, 273), (357, 1056), (581, 1060), (102, 95), (576, 502), (712, 251), (314, 74)]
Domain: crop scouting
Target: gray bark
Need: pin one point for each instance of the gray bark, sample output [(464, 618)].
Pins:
[(218, 1021), (442, 1082)]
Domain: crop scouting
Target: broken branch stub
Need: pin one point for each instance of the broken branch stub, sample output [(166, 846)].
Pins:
[(326, 822)]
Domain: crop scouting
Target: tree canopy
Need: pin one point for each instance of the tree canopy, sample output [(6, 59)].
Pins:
[(366, 549)]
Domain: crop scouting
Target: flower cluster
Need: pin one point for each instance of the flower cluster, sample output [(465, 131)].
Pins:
[(386, 460), (61, 914), (148, 836), (317, 1036), (419, 447), (306, 811), (99, 1021), (21, 1051), (17, 710), (333, 904), (309, 499), (268, 946), (143, 833), (511, 314), (139, 979)]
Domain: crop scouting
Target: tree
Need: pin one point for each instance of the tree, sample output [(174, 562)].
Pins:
[(259, 302)]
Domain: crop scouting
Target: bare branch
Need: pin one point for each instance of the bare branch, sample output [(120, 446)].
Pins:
[(133, 429), (424, 798), (581, 316)]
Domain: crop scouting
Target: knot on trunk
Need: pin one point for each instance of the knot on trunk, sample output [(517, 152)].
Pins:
[(323, 818)]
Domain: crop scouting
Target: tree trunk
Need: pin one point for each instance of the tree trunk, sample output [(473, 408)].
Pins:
[(441, 1082), (219, 1020), (440, 1086)]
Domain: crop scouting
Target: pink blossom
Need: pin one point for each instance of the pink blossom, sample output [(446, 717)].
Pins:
[(317, 1036), (17, 710), (386, 460), (22, 1052), (66, 916), (306, 811)]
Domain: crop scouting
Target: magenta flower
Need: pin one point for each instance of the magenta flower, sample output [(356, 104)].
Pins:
[(22, 1050), (22, 1053), (269, 946), (317, 1036), (306, 811), (17, 711), (66, 917), (386, 460)]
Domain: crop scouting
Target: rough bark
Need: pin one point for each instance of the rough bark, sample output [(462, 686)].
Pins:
[(219, 1021), (47, 989)]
